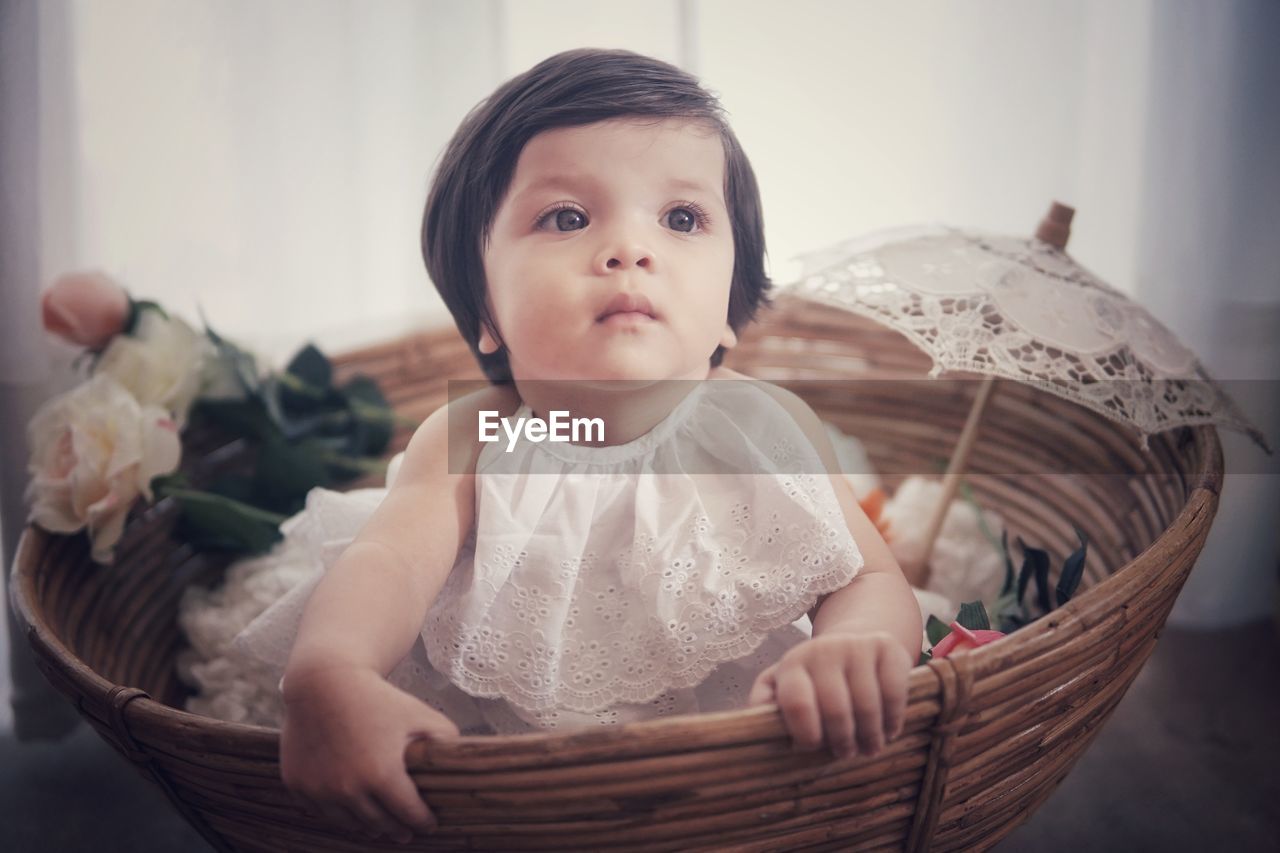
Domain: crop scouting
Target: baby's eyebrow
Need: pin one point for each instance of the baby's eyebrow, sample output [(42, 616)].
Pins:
[(570, 181), (557, 181), (688, 184)]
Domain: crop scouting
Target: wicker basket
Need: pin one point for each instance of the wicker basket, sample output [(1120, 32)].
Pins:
[(989, 733)]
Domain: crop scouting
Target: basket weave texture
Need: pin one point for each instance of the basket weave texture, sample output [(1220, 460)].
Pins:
[(989, 733)]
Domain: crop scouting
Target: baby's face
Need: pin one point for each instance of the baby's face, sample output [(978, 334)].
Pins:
[(615, 215)]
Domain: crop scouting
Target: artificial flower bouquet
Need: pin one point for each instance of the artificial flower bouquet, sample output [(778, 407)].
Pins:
[(972, 566), (152, 381), (972, 626)]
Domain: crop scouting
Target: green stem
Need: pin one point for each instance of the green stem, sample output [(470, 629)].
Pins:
[(362, 410), (248, 509), (295, 384)]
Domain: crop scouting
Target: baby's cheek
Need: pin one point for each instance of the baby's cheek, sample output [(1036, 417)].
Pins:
[(540, 316)]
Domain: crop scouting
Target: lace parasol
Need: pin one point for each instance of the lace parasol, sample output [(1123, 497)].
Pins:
[(1022, 309)]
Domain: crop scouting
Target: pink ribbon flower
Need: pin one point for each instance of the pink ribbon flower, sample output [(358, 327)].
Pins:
[(962, 638)]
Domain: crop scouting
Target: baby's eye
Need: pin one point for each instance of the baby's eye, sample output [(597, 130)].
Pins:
[(687, 218), (565, 219)]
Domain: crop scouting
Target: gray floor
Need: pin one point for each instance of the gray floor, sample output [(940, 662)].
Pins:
[(1190, 760)]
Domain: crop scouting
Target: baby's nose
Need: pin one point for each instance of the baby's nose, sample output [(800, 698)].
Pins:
[(629, 258), (623, 253)]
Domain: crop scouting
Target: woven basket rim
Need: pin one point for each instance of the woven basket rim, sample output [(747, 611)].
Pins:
[(649, 737)]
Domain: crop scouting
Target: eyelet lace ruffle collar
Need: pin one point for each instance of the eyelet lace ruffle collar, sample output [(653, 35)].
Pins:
[(640, 567)]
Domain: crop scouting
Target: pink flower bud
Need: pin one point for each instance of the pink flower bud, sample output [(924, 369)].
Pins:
[(962, 638), (85, 308)]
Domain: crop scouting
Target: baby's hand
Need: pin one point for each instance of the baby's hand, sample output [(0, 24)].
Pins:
[(838, 688), (342, 750)]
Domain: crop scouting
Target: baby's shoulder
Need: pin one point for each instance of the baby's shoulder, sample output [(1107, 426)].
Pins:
[(451, 432), (794, 405), (789, 400)]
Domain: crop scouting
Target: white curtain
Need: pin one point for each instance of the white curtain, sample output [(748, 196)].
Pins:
[(1209, 265), (863, 115), (266, 161)]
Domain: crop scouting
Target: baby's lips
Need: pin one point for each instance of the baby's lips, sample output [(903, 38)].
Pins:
[(628, 302), (962, 638)]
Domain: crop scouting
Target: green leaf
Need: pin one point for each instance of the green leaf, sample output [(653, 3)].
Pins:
[(273, 394), (363, 389), (1040, 565), (269, 395), (1025, 573), (1005, 605), (306, 385), (1042, 583), (302, 411), (165, 484), (1035, 563), (286, 472), (973, 615), (212, 521), (246, 417), (244, 366), (935, 629), (237, 487), (136, 308), (372, 422), (1072, 570), (1012, 622), (312, 367)]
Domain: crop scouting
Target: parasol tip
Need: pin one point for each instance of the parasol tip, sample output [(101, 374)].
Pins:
[(1055, 228)]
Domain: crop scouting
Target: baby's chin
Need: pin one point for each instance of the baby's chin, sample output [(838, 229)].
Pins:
[(614, 367)]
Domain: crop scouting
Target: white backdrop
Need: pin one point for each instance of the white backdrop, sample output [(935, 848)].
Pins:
[(267, 160)]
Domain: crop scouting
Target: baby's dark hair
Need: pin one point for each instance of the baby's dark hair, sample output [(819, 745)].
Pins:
[(570, 89)]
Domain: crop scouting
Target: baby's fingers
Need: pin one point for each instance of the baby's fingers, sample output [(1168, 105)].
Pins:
[(376, 821), (335, 813), (764, 689), (434, 727), (893, 687), (799, 706), (836, 711), (402, 800), (868, 708)]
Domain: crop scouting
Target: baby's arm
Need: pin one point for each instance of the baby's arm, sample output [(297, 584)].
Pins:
[(850, 681), (346, 727)]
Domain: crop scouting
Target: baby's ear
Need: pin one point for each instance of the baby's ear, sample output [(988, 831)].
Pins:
[(487, 344), (729, 339)]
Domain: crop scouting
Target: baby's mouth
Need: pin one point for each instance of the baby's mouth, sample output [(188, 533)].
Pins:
[(628, 308)]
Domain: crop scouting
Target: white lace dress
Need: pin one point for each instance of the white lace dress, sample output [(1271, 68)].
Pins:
[(603, 585)]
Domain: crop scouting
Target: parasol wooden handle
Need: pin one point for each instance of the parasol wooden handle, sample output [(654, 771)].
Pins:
[(1054, 229), (918, 574)]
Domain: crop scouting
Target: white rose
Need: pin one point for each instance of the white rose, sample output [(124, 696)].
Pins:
[(94, 449), (965, 565), (161, 363)]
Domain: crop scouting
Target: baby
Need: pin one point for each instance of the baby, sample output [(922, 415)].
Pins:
[(596, 220)]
